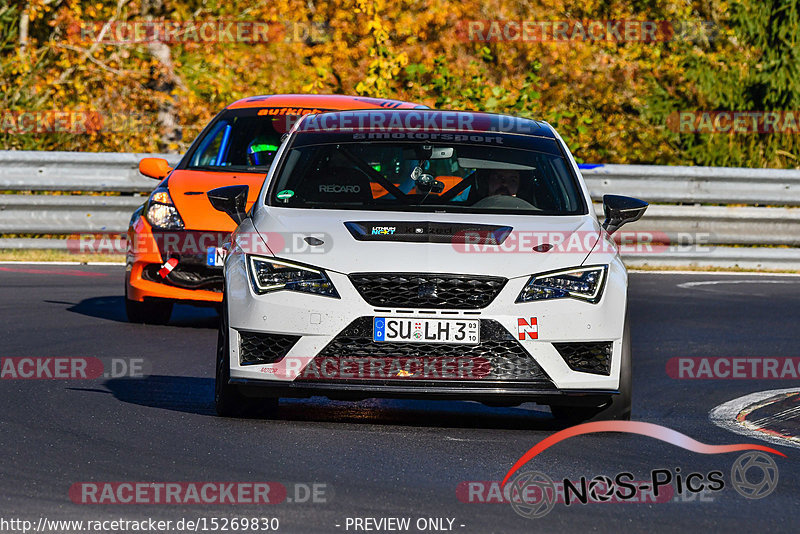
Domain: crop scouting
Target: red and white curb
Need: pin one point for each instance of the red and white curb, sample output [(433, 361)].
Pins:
[(732, 416)]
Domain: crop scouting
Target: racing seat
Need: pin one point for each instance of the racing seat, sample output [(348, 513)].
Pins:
[(479, 186), (336, 184)]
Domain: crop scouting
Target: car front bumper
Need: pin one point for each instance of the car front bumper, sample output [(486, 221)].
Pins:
[(320, 333), (190, 281)]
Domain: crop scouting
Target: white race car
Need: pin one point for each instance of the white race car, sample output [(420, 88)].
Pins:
[(424, 254)]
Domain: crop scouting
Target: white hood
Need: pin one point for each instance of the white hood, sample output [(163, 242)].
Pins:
[(285, 230)]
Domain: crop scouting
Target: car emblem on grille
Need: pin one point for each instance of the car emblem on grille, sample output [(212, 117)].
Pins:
[(428, 290)]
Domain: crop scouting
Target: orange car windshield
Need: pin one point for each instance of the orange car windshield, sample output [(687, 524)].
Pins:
[(243, 140)]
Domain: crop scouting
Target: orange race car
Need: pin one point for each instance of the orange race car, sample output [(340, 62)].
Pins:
[(174, 245)]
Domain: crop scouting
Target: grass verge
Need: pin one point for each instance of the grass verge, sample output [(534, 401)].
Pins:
[(57, 255), (707, 269)]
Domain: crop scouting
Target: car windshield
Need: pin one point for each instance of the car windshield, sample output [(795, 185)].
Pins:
[(420, 176), (244, 140)]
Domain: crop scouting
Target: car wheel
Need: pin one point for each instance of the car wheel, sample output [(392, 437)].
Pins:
[(228, 400), (149, 311), (619, 408)]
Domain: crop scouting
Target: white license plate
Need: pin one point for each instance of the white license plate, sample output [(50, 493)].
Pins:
[(215, 256), (400, 329)]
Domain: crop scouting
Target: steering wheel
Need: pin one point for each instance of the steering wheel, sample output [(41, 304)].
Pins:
[(504, 202)]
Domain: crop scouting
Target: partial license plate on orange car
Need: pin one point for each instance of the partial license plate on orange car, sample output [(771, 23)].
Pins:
[(215, 256)]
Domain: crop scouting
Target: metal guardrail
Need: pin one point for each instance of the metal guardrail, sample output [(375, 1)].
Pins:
[(713, 225), (721, 225), (691, 203), (772, 259), (705, 185), (65, 214), (23, 170), (102, 171)]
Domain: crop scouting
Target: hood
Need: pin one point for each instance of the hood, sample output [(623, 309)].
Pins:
[(370, 241), (188, 191)]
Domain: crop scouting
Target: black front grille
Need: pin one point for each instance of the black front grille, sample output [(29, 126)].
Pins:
[(497, 357), (187, 276), (592, 358), (418, 290), (256, 348)]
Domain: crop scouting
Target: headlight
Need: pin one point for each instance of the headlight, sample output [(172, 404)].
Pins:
[(161, 212), (584, 283), (270, 275)]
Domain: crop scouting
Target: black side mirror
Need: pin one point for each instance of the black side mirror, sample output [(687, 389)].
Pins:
[(231, 199), (620, 210)]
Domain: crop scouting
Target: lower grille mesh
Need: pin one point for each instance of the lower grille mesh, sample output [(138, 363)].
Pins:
[(255, 348), (498, 356), (190, 276), (592, 358)]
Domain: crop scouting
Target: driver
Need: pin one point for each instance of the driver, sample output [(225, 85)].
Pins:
[(261, 151), (503, 182)]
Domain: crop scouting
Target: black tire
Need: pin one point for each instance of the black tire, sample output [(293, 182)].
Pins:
[(149, 311), (619, 408), (228, 400)]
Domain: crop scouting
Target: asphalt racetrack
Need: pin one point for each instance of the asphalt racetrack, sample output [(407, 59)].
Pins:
[(375, 459)]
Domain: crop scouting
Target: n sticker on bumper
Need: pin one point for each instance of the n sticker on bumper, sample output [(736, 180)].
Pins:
[(529, 327)]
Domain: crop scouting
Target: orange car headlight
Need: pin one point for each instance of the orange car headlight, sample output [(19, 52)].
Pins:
[(161, 211)]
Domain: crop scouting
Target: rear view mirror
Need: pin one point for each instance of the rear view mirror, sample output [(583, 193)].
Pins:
[(428, 152), (471, 163), (620, 210), (157, 168), (442, 152), (230, 199)]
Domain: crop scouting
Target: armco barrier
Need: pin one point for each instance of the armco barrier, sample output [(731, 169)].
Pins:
[(706, 205)]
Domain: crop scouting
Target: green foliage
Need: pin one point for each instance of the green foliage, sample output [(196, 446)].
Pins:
[(753, 65), (611, 101)]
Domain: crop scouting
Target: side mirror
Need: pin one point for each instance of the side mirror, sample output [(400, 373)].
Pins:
[(231, 199), (157, 168), (620, 210)]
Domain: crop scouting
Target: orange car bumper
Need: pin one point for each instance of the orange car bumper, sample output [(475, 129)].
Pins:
[(148, 250)]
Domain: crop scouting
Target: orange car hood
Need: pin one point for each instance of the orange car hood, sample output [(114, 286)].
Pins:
[(188, 191)]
